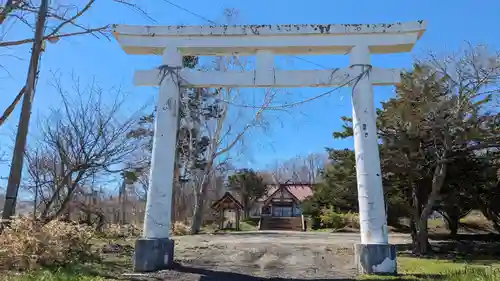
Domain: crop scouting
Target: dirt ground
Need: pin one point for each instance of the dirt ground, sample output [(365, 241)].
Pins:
[(264, 256)]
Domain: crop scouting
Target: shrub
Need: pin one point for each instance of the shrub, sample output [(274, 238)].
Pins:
[(351, 220), (28, 245), (331, 219)]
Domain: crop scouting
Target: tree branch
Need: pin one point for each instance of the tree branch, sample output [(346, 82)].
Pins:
[(24, 41), (245, 129), (9, 7)]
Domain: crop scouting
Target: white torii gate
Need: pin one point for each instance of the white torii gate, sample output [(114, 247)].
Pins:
[(374, 255)]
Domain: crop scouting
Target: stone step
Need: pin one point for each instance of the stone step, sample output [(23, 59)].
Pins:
[(281, 223)]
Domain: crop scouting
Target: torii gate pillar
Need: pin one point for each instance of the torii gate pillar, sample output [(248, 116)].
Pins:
[(374, 254)]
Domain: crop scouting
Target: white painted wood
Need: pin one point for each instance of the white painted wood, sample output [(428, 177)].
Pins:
[(264, 68), (280, 39), (281, 78), (369, 177), (283, 44), (270, 29), (159, 198)]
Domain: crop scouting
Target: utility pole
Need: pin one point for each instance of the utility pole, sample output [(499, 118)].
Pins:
[(16, 166)]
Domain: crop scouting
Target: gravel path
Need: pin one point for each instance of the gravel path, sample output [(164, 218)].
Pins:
[(265, 256)]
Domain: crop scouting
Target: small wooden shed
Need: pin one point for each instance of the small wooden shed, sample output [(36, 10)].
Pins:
[(229, 209)]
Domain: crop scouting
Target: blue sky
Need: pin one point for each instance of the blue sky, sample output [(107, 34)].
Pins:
[(302, 130)]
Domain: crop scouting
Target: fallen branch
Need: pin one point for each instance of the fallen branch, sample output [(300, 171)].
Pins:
[(11, 107)]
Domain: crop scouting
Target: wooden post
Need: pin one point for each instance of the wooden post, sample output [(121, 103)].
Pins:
[(237, 218), (221, 218)]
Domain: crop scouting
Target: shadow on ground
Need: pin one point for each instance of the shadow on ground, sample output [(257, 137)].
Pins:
[(187, 273), (213, 263), (473, 248)]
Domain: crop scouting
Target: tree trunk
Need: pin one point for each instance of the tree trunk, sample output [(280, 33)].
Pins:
[(413, 231), (197, 213), (422, 245), (101, 219), (176, 189), (452, 219), (200, 195), (122, 201), (88, 218), (415, 215), (246, 213), (246, 209)]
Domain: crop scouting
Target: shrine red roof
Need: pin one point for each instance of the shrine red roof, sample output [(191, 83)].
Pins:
[(300, 191)]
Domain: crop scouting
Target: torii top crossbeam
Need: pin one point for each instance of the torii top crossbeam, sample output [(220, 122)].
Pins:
[(265, 41), (280, 39)]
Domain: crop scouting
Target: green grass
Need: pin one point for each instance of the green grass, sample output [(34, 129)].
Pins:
[(474, 274), (248, 226), (416, 269), (110, 268), (245, 225), (57, 275), (410, 269)]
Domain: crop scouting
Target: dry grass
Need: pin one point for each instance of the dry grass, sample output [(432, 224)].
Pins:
[(474, 223), (180, 228), (477, 222), (120, 231), (115, 231), (26, 245)]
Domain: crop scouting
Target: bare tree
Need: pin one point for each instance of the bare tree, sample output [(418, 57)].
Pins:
[(51, 23), (59, 21), (300, 169), (222, 136), (82, 144), (63, 19)]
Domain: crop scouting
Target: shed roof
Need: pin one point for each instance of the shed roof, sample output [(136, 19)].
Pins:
[(225, 198)]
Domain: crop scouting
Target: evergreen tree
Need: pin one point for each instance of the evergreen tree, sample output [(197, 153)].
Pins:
[(250, 186)]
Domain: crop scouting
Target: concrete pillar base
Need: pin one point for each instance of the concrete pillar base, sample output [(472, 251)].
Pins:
[(153, 254), (375, 258)]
